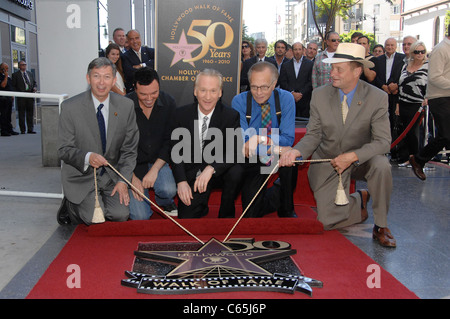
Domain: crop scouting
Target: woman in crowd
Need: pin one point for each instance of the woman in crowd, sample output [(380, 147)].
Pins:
[(378, 50), (247, 50), (112, 52), (412, 89)]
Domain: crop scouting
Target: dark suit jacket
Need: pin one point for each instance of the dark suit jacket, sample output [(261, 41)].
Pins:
[(380, 68), (248, 64), (186, 117), (130, 58), (301, 84), (19, 83)]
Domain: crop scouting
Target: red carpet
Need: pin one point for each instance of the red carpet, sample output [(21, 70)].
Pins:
[(103, 252)]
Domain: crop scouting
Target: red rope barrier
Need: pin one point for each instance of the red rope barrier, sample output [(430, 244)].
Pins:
[(420, 112)]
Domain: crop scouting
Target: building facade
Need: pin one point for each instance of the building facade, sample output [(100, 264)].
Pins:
[(18, 35)]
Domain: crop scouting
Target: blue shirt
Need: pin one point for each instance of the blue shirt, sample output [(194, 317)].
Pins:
[(349, 95), (282, 134)]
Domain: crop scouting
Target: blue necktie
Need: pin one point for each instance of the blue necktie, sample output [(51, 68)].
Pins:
[(101, 126)]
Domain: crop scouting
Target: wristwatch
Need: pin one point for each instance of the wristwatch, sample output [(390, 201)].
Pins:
[(263, 139)]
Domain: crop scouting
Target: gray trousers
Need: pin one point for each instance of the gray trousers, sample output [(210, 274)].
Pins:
[(377, 173), (113, 210)]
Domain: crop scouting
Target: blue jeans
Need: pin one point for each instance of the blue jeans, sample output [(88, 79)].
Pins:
[(165, 190)]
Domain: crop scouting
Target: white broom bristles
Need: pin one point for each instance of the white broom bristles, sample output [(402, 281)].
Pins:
[(341, 198), (99, 216)]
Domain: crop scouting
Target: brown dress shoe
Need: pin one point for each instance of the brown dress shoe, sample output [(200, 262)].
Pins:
[(365, 196), (417, 168), (384, 237)]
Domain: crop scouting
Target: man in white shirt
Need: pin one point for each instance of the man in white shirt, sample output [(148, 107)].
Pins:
[(207, 158)]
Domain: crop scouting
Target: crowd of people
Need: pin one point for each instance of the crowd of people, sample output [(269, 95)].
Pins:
[(349, 95)]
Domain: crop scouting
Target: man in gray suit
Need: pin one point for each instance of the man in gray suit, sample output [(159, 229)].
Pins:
[(97, 127), (355, 135)]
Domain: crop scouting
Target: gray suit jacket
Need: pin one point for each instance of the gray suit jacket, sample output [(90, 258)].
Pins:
[(79, 134), (366, 131)]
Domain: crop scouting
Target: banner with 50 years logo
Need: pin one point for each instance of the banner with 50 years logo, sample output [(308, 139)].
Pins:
[(192, 35)]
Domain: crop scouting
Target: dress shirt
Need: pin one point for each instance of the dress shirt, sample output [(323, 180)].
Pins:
[(297, 66), (389, 62), (200, 123), (105, 113), (286, 129), (350, 95)]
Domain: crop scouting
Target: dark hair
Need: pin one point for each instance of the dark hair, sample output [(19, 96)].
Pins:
[(145, 76), (356, 35), (379, 46), (365, 36), (117, 29), (110, 47), (282, 42)]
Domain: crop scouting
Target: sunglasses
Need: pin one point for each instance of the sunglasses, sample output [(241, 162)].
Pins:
[(419, 51), (334, 40), (245, 46)]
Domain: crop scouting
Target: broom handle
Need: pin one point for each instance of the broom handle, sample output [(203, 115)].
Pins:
[(142, 195), (251, 202), (262, 186)]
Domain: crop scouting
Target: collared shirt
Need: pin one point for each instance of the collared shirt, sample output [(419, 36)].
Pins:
[(200, 123), (286, 129), (321, 73), (154, 132), (297, 65), (389, 62), (105, 112), (350, 95), (105, 109)]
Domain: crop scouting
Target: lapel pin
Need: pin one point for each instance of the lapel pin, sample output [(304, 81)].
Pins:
[(115, 113), (359, 102)]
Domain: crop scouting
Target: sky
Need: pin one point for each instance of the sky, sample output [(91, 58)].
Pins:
[(260, 16)]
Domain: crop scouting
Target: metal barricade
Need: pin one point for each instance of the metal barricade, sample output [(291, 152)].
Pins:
[(43, 96)]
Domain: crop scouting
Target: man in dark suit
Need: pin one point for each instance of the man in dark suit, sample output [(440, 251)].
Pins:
[(280, 53), (136, 57), (261, 49), (97, 128), (295, 77), (204, 152), (23, 81), (388, 68)]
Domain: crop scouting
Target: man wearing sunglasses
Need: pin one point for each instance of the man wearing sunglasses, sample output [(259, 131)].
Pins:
[(321, 71)]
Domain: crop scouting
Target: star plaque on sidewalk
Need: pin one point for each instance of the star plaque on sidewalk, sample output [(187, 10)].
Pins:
[(185, 268)]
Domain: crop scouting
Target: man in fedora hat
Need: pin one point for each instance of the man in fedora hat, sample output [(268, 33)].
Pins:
[(349, 124)]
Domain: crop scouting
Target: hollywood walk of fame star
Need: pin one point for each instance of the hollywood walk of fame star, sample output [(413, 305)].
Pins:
[(183, 50), (215, 257)]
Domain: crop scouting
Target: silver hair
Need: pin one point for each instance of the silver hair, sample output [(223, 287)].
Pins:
[(100, 63), (262, 66), (209, 72), (261, 41)]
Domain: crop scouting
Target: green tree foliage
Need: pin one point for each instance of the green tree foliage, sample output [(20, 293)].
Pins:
[(346, 37)]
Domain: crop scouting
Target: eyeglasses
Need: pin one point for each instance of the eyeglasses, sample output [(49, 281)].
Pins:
[(263, 88), (419, 51), (334, 40), (245, 46)]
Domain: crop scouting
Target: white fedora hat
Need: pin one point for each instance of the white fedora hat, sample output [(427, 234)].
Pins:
[(348, 52)]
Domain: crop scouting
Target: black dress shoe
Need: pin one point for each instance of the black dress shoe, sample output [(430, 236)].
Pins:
[(31, 132), (417, 168), (5, 134), (13, 133), (63, 213), (290, 214)]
